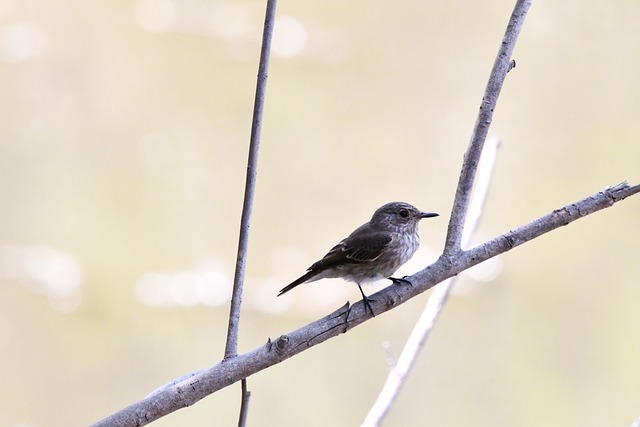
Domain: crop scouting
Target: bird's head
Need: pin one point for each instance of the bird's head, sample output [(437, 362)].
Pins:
[(399, 217)]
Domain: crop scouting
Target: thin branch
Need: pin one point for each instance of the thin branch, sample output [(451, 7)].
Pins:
[(481, 192), (189, 391), (461, 227), (501, 67), (231, 348), (244, 407), (399, 372)]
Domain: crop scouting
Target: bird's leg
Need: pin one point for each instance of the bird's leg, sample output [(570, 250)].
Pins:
[(366, 300), (397, 281)]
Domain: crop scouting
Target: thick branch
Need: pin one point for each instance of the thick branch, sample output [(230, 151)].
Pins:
[(187, 392)]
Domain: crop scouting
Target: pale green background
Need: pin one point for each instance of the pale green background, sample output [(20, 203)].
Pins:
[(123, 142)]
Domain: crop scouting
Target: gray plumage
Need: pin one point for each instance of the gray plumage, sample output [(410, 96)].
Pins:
[(374, 251)]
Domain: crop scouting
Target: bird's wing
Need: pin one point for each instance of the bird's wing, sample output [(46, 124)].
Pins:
[(355, 249), (361, 246)]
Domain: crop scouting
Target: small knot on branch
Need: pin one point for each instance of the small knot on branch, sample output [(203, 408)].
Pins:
[(281, 344)]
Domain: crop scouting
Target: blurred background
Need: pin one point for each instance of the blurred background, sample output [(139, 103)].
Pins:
[(123, 141)]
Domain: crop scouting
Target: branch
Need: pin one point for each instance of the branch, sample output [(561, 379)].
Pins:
[(460, 226), (185, 393), (501, 67), (415, 343), (244, 407), (231, 348)]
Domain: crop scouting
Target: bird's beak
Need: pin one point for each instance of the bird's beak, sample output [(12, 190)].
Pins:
[(428, 214)]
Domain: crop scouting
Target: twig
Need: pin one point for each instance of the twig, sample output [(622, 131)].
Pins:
[(398, 373), (481, 192), (461, 227), (501, 67), (231, 348), (244, 407), (185, 393)]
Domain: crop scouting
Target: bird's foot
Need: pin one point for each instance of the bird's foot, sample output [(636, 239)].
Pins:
[(367, 305), (366, 300), (399, 281)]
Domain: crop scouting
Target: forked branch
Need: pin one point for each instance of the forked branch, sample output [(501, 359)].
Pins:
[(191, 388), (185, 393)]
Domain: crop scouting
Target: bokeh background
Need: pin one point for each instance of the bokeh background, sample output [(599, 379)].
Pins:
[(123, 141)]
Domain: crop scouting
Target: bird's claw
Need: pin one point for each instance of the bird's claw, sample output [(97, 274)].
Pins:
[(367, 305), (398, 281)]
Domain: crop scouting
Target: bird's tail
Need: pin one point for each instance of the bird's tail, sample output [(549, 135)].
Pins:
[(300, 280)]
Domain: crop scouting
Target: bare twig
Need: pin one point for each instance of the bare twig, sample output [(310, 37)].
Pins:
[(460, 226), (187, 392), (231, 348), (244, 407), (399, 371), (481, 192), (501, 67)]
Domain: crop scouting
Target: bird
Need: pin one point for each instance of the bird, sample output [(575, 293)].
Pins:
[(374, 251)]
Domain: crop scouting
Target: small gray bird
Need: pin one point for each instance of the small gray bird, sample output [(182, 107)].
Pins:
[(374, 251)]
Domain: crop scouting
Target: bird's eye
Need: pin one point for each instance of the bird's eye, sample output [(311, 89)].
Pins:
[(404, 213)]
